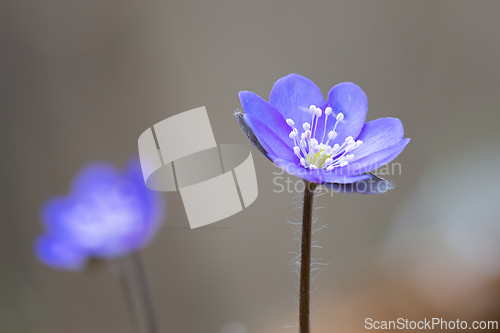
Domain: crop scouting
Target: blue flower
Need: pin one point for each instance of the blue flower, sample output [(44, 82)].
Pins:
[(107, 214), (324, 142)]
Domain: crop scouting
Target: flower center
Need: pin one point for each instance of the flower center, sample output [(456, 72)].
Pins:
[(316, 155)]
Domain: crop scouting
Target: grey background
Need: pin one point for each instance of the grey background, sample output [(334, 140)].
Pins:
[(81, 80)]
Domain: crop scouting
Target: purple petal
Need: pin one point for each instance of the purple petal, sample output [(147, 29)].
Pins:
[(94, 176), (349, 99), (316, 176), (59, 254), (108, 220), (374, 185), (273, 144), (249, 133), (259, 108), (377, 135), (292, 96), (52, 213), (374, 160)]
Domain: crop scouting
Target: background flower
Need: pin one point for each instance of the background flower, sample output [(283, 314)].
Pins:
[(108, 213), (320, 141)]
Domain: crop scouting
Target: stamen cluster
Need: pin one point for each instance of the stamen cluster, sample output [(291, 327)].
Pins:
[(316, 155)]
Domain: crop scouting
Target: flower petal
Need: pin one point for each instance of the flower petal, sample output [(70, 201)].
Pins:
[(271, 142), (349, 99), (52, 213), (379, 134), (374, 160), (292, 96), (95, 175), (59, 254), (259, 108), (249, 133), (374, 185), (316, 176)]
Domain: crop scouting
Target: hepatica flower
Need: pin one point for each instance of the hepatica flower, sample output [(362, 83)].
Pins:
[(107, 214), (323, 142)]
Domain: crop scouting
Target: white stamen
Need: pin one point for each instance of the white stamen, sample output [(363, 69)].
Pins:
[(314, 120), (332, 135), (328, 111), (318, 112), (350, 147), (328, 150), (314, 155)]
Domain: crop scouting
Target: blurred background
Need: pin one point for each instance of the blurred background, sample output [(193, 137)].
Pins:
[(81, 80)]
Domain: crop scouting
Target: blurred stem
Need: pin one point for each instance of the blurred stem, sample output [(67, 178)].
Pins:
[(305, 257), (134, 285)]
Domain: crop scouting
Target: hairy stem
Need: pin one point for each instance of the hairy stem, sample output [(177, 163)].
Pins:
[(305, 257), (134, 284)]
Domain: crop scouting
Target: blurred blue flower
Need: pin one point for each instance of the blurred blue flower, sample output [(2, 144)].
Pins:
[(107, 214), (324, 142)]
